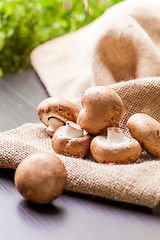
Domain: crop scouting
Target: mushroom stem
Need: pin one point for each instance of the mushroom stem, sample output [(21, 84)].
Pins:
[(73, 130), (54, 123), (115, 135)]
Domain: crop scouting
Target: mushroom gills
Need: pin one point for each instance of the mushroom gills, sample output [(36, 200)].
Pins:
[(73, 130), (54, 123)]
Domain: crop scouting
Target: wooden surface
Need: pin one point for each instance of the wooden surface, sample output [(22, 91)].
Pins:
[(71, 216)]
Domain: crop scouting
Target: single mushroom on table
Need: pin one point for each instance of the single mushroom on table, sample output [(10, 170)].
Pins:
[(146, 130), (115, 147), (102, 107), (40, 177), (55, 112), (71, 140)]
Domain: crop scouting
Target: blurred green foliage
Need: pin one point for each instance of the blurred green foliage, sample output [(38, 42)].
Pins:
[(24, 24)]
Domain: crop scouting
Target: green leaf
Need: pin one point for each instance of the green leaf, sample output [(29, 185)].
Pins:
[(1, 72), (25, 24)]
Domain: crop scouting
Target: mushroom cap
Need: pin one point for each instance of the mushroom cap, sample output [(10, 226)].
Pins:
[(102, 107), (59, 108), (40, 178), (77, 146), (146, 130), (106, 151)]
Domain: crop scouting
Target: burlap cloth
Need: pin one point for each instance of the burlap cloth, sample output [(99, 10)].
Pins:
[(123, 44)]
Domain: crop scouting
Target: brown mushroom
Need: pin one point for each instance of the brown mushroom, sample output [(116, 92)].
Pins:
[(146, 130), (115, 147), (71, 140), (102, 108), (40, 178), (55, 112)]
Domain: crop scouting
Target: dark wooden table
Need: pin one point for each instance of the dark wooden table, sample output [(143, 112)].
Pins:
[(71, 216)]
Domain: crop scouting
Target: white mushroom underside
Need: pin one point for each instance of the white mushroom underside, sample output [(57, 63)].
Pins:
[(73, 130), (115, 139), (115, 135), (54, 123)]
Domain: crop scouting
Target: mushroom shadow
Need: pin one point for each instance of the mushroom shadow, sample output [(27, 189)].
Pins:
[(7, 173), (41, 209), (49, 215)]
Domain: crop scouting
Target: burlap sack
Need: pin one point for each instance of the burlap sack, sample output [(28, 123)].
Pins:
[(121, 45)]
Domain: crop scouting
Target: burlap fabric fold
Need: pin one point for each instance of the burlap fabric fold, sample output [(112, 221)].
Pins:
[(123, 44), (136, 183)]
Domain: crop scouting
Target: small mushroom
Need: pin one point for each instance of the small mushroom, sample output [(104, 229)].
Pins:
[(40, 178), (146, 130), (115, 147), (55, 112), (102, 108), (71, 140)]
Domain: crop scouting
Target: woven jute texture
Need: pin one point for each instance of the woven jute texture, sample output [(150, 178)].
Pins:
[(136, 183)]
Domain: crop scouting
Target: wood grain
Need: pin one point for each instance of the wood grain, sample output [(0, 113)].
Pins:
[(71, 216)]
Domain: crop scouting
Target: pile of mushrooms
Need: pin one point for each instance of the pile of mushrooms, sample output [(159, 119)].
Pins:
[(94, 128), (101, 108)]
